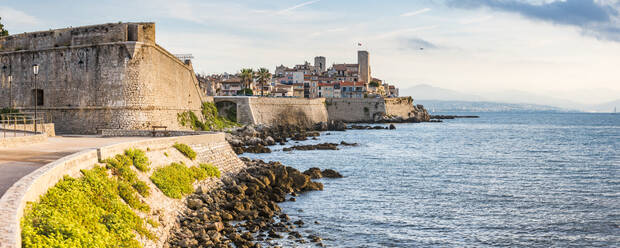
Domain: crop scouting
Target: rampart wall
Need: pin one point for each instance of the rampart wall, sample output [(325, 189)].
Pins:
[(110, 76), (368, 109), (274, 111), (296, 111)]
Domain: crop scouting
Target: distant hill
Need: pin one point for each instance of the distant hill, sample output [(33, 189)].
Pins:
[(507, 100), (607, 107), (428, 92), (471, 106)]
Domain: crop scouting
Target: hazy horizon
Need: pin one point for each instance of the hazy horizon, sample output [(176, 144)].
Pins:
[(557, 49)]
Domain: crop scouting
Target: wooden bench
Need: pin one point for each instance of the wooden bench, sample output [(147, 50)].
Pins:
[(158, 127)]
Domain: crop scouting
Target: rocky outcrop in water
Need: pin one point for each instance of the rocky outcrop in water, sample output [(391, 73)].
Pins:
[(450, 117), (364, 127), (419, 114), (316, 173), (322, 146), (256, 138), (244, 211)]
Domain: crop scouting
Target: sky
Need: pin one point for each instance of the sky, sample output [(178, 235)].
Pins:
[(568, 49)]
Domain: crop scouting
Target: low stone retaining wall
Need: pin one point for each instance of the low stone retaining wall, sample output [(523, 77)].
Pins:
[(10, 141), (47, 128), (148, 133), (211, 148)]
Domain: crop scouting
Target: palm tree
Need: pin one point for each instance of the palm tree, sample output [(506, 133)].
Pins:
[(262, 76), (247, 75), (3, 32)]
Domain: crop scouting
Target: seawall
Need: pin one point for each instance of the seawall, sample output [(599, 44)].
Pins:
[(210, 148), (275, 111), (283, 111), (370, 109)]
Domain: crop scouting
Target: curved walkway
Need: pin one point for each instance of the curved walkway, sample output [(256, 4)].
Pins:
[(17, 162)]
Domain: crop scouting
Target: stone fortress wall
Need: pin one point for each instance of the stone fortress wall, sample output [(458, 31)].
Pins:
[(365, 109), (210, 148), (296, 111), (254, 110), (109, 76), (354, 109)]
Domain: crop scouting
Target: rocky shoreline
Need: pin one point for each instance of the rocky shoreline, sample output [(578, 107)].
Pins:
[(256, 138), (244, 211)]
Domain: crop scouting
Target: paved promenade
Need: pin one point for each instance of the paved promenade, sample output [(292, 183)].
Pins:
[(17, 162)]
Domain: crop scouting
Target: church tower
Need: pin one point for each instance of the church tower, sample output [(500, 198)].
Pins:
[(363, 61), (320, 62)]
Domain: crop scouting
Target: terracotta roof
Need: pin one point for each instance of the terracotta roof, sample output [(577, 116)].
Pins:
[(351, 83), (281, 91), (231, 81)]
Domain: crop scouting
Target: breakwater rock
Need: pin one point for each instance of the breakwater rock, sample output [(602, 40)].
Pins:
[(244, 210), (365, 127), (322, 146), (450, 117), (316, 173)]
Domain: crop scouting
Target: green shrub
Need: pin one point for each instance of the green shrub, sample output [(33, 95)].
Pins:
[(166, 154), (152, 222), (176, 179), (142, 188), (210, 170), (6, 110), (212, 121), (121, 167), (139, 159), (186, 150), (198, 173), (82, 212), (128, 194)]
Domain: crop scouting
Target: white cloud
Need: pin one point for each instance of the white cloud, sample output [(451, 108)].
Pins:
[(478, 19), (12, 18), (417, 12), (296, 7), (404, 31)]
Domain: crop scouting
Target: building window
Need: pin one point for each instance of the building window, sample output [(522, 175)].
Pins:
[(37, 97)]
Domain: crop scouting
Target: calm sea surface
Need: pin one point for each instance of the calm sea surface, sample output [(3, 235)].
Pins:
[(526, 180)]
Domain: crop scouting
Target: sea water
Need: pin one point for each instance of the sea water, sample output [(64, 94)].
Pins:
[(505, 179)]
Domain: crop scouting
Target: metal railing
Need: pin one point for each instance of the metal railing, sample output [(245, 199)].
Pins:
[(23, 124)]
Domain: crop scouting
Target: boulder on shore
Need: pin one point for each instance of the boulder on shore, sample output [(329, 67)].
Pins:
[(244, 212), (329, 173), (314, 173)]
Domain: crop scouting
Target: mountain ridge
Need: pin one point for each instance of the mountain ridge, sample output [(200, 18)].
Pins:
[(511, 99)]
